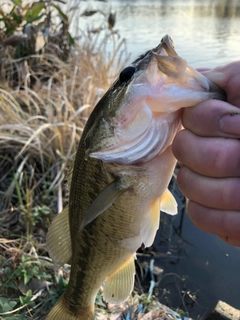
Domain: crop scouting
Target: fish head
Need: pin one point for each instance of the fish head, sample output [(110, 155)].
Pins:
[(139, 115), (167, 82)]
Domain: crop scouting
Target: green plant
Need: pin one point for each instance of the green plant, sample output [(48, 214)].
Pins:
[(6, 305), (19, 281), (29, 267), (30, 27), (32, 213)]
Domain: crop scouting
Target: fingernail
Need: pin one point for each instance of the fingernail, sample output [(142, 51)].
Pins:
[(230, 124)]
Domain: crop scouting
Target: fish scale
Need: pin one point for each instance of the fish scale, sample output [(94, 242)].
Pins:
[(117, 192)]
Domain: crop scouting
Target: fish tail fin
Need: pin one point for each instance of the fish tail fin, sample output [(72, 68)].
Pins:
[(61, 312)]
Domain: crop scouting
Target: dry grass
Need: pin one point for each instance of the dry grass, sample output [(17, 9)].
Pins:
[(44, 105)]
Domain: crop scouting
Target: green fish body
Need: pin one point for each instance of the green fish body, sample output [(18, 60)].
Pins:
[(120, 176)]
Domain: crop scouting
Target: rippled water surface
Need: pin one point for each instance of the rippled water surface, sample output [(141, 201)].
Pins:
[(205, 32)]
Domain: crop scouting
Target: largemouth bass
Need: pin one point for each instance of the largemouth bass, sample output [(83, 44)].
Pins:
[(120, 178)]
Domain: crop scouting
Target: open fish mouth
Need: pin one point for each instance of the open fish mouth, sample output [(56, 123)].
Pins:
[(148, 96)]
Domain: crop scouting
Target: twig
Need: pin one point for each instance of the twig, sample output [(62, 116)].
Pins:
[(152, 282), (60, 200)]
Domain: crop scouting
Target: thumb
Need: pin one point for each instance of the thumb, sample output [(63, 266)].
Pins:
[(228, 78), (217, 76)]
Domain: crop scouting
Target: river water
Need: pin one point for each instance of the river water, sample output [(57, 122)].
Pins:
[(206, 33)]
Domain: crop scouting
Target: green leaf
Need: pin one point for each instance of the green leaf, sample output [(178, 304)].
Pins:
[(27, 6), (29, 293), (8, 272), (11, 285), (33, 12), (19, 316), (17, 2), (62, 15), (4, 19), (6, 305), (27, 298), (3, 300), (17, 18), (61, 1), (70, 39), (37, 18), (89, 13)]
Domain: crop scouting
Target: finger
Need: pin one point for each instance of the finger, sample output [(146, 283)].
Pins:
[(231, 241), (214, 193), (213, 157), (225, 224), (228, 78), (213, 118)]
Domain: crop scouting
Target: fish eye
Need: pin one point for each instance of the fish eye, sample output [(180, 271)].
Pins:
[(126, 74)]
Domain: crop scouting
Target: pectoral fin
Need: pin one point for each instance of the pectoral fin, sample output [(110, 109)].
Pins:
[(110, 194), (168, 203), (120, 284), (58, 238)]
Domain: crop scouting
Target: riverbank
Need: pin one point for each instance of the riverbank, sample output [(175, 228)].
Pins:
[(46, 95), (45, 101)]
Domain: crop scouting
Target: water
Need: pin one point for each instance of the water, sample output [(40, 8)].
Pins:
[(209, 267), (206, 33)]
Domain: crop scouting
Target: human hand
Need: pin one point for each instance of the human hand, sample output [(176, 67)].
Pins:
[(209, 150)]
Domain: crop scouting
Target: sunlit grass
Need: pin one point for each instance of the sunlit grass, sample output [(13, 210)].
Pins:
[(43, 114)]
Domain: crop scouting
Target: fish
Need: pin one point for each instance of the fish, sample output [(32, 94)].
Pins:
[(119, 178)]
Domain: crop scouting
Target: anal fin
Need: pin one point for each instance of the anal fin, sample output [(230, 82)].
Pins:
[(151, 223), (119, 285), (168, 203), (58, 238)]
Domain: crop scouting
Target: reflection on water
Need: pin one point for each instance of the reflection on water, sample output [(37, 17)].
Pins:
[(217, 8), (206, 32)]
